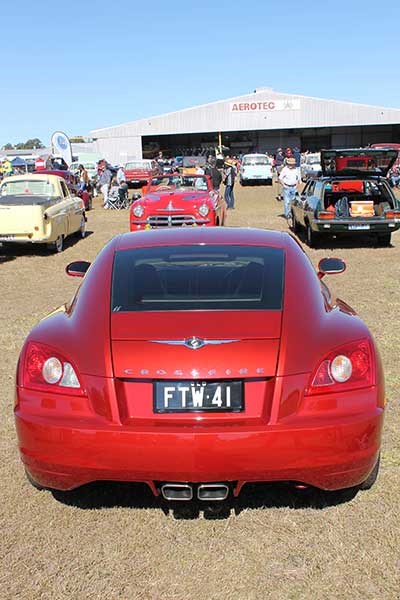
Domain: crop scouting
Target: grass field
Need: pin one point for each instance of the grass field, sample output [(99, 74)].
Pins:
[(116, 542)]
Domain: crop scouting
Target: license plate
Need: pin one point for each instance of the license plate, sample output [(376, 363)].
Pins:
[(198, 396), (354, 227)]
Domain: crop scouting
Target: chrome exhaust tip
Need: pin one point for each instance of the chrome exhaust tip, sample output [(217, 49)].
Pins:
[(213, 491), (177, 491)]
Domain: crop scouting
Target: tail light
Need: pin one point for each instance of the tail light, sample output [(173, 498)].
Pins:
[(392, 214), (46, 369), (346, 368), (326, 214)]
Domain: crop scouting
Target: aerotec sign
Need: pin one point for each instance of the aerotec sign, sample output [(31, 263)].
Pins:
[(265, 106)]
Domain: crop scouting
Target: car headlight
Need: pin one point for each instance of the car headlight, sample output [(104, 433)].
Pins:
[(204, 210), (138, 210)]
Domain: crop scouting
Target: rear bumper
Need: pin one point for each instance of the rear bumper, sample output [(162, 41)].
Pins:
[(347, 225), (333, 455)]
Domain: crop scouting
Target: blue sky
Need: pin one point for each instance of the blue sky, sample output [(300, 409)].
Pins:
[(80, 65)]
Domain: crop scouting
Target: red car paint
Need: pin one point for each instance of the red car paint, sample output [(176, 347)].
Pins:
[(165, 205), (137, 176), (107, 430)]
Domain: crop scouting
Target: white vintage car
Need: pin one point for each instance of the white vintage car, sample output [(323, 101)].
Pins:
[(39, 209), (255, 168)]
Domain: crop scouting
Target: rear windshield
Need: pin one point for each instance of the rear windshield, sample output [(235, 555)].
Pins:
[(255, 160), (27, 187), (198, 278), (138, 165)]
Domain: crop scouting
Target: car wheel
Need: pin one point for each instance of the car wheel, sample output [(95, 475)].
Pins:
[(58, 245), (293, 223), (82, 228), (372, 477), (312, 237), (242, 182), (384, 239)]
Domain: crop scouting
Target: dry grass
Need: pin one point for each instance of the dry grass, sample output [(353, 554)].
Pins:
[(116, 542)]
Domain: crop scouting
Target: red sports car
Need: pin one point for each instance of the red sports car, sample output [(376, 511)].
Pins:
[(177, 201), (197, 360)]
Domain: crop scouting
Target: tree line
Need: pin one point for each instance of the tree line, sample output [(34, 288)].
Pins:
[(28, 145)]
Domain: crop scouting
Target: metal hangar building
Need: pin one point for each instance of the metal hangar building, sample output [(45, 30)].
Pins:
[(256, 122)]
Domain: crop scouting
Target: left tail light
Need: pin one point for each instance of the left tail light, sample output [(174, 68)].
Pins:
[(346, 368), (46, 369)]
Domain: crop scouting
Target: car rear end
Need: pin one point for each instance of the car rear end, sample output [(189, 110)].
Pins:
[(255, 168), (352, 206), (23, 206), (199, 396), (137, 173)]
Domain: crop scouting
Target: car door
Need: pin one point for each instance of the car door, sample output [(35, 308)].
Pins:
[(312, 200), (68, 209), (300, 202)]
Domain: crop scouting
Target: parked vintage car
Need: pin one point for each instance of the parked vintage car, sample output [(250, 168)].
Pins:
[(195, 374), (178, 201), (352, 196), (39, 209), (255, 168), (138, 172), (310, 166)]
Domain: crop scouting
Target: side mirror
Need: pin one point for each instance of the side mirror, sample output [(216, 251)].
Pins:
[(77, 268), (330, 266)]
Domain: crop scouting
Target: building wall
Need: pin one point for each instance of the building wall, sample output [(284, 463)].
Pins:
[(118, 150)]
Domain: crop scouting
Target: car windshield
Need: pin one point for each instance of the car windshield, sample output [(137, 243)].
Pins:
[(187, 182), (198, 277), (27, 187), (137, 166), (255, 160)]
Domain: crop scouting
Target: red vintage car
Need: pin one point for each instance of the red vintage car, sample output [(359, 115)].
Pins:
[(178, 200), (214, 357), (138, 172)]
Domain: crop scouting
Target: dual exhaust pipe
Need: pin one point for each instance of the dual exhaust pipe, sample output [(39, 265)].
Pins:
[(204, 491)]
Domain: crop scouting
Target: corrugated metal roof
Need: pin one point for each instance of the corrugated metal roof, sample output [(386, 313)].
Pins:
[(264, 109)]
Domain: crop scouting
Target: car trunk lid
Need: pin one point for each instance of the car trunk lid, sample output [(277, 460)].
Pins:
[(361, 162), (184, 345)]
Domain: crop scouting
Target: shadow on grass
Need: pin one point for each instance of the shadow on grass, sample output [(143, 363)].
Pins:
[(344, 242), (253, 496), (12, 251)]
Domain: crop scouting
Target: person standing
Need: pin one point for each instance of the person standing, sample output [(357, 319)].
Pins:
[(229, 181), (214, 173), (120, 175), (83, 178), (279, 161), (290, 178), (104, 184)]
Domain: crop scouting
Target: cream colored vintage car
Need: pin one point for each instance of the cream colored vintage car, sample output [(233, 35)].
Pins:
[(39, 209)]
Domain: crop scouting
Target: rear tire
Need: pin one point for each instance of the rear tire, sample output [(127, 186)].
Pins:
[(293, 223), (372, 477), (312, 237), (57, 246), (82, 229), (384, 239)]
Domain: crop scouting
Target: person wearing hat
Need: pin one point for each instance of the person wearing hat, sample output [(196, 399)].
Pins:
[(290, 179), (229, 182)]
